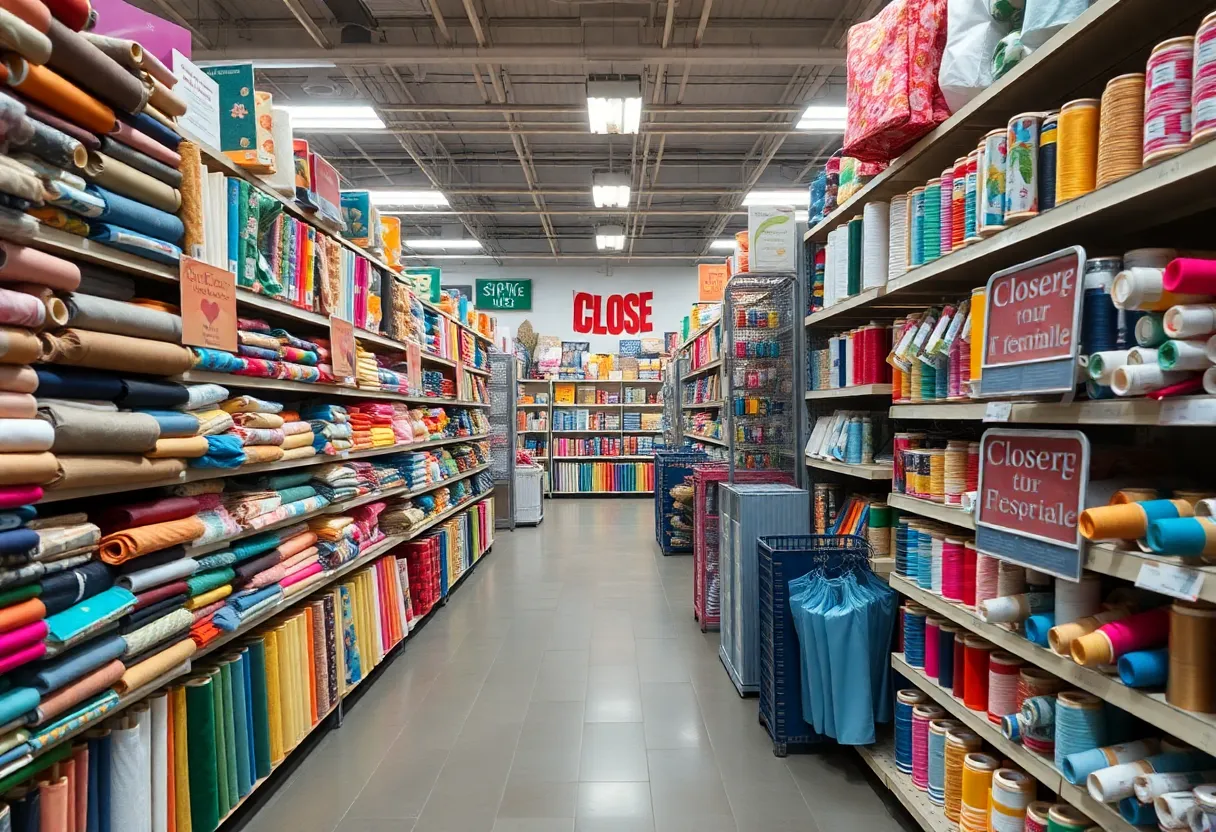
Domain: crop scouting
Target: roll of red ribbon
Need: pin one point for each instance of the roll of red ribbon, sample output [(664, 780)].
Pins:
[(932, 625), (976, 653), (960, 661), (970, 558)]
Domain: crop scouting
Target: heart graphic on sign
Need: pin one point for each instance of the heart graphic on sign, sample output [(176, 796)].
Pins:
[(211, 310)]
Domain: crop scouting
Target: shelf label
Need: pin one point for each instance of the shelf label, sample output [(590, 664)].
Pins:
[(1032, 318), (1174, 581), (342, 347), (998, 411), (1197, 410), (208, 303), (1031, 493)]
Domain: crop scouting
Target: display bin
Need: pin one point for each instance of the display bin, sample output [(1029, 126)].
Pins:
[(781, 559), (706, 476), (670, 469), (529, 495)]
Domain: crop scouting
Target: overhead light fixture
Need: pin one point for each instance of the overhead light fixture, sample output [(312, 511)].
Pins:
[(610, 237), (783, 196), (610, 190), (441, 243), (823, 118), (614, 105), (727, 244), (427, 198), (331, 119), (802, 215)]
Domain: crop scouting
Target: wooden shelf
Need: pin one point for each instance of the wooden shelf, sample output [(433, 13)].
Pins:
[(1126, 564), (530, 404), (880, 757), (1184, 411), (709, 440), (625, 458), (865, 472), (702, 405), (1038, 766), (251, 383), (702, 370), (530, 430), (704, 329), (1197, 729), (850, 392), (846, 305), (934, 511)]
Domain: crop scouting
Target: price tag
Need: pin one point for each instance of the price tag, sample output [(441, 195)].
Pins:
[(1194, 410), (1175, 581), (998, 411)]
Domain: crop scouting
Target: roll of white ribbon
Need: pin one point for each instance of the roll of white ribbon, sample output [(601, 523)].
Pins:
[(1076, 600), (1150, 786), (1153, 258), (1141, 355), (897, 245), (1189, 320), (1102, 365), (1136, 380), (875, 237), (1187, 355), (1172, 808)]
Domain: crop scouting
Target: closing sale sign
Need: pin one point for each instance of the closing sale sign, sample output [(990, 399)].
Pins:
[(1031, 495)]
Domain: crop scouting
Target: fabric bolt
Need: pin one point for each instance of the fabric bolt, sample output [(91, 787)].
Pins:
[(14, 496), (21, 614), (152, 668), (16, 518), (265, 578), (250, 404), (296, 453), (203, 582), (61, 219), (51, 173), (223, 451), (105, 351), (18, 541), (55, 140), (105, 315), (74, 14), (136, 216), (296, 440), (28, 469), (203, 396), (157, 648), (156, 631), (81, 202), (68, 587), (258, 420), (24, 39), (158, 594), (220, 524), (135, 243), (259, 436), (216, 559), (141, 140), (262, 454), (18, 346), (156, 129), (18, 406), (139, 157), (16, 378), (175, 424), (123, 179), (230, 618), (17, 180), (33, 12), (25, 435), (96, 281), (72, 665), (88, 712), (77, 430), (122, 546), (72, 383), (20, 309), (16, 702), (90, 616), (73, 693), (215, 360), (22, 637), (167, 573), (85, 471), (77, 59), (57, 93), (210, 597), (55, 541), (247, 570), (139, 618), (155, 511), (213, 422), (184, 448)]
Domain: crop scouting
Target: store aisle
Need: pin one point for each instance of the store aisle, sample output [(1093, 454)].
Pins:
[(566, 686)]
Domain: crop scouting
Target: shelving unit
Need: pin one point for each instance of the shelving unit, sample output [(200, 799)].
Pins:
[(865, 472), (704, 348), (849, 392)]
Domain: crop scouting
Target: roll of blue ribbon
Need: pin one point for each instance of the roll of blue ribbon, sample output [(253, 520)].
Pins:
[(1011, 727), (945, 658), (1145, 668), (1179, 535), (1037, 626), (914, 638), (1137, 813), (1079, 731)]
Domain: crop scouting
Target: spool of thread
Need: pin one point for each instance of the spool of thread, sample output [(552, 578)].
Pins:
[(946, 634), (1079, 765), (971, 203), (964, 368), (1185, 321), (1203, 90), (1061, 636), (905, 701), (1174, 809), (1137, 356), (1062, 818), (914, 634), (916, 247), (1129, 521), (876, 233), (1036, 816), (1003, 672), (924, 558), (931, 643), (946, 212), (1036, 628), (937, 758), (1138, 380), (955, 471), (922, 715), (973, 466), (978, 769), (1102, 365), (1014, 609), (1121, 128), (1048, 152), (897, 240), (1167, 99), (987, 575), (936, 543), (1033, 682), (1012, 792), (1039, 712), (970, 573), (1146, 787), (978, 299), (1077, 599), (976, 654), (992, 183), (959, 743), (1080, 724), (952, 569), (1183, 536), (1021, 174), (1141, 631), (1011, 727), (1150, 331), (1077, 160), (1192, 638), (958, 203), (1010, 579), (1144, 668), (1143, 288), (959, 690), (1099, 322), (931, 231), (937, 475)]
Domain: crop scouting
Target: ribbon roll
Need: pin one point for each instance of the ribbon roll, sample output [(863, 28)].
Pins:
[(1185, 355), (1189, 321), (1102, 365), (1129, 521), (1137, 380), (1143, 288), (1190, 275), (1141, 355), (1145, 669), (1183, 536), (1150, 330)]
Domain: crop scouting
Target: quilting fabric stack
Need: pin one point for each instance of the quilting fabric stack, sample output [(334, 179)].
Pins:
[(330, 425)]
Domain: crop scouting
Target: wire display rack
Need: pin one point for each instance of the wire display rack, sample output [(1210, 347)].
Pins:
[(670, 470), (502, 436), (671, 408), (763, 383)]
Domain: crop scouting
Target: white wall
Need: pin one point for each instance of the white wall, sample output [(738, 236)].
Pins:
[(553, 288)]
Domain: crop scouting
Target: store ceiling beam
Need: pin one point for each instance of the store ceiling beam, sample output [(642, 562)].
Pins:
[(581, 109), (314, 32), (769, 129), (442, 25), (540, 54), (590, 212)]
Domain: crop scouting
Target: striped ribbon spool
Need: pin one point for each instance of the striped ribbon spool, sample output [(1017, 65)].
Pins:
[(1121, 128), (1010, 579), (916, 236), (952, 569), (1167, 99), (959, 743), (978, 769), (991, 196), (971, 203), (973, 466), (1012, 792), (946, 634), (959, 689), (928, 381), (1022, 167), (1080, 723), (1036, 816), (931, 232), (978, 302), (1003, 672), (1034, 681), (958, 203), (1190, 684), (1203, 91), (924, 556), (955, 471), (946, 206), (1063, 818), (953, 362), (914, 634), (970, 576), (987, 573), (1048, 154), (878, 531), (897, 237), (932, 627), (905, 701), (937, 475), (876, 235), (938, 728), (1077, 149), (976, 652), (938, 545), (922, 715)]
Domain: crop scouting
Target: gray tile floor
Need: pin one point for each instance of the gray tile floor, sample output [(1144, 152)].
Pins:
[(567, 687)]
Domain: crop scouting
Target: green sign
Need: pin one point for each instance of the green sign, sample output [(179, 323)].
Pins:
[(504, 294)]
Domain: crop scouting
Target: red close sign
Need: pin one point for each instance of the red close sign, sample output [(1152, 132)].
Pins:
[(1032, 483), (613, 314), (1031, 311)]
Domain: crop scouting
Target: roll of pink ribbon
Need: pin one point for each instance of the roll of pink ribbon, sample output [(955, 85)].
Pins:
[(1190, 275)]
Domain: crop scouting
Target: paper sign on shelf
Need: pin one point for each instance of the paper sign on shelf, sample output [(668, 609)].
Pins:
[(711, 281), (342, 346), (998, 411), (1175, 581), (202, 97), (208, 304)]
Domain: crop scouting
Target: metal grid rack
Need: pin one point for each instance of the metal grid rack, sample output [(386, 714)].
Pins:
[(671, 407), (762, 383), (671, 469), (502, 437)]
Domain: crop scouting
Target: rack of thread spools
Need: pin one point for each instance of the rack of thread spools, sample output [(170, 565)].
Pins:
[(701, 401), (851, 361)]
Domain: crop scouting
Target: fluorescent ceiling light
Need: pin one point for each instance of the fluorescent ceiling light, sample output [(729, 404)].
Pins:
[(614, 106), (439, 242), (610, 190), (318, 119), (821, 118), (610, 237), (778, 197), (422, 197), (727, 244)]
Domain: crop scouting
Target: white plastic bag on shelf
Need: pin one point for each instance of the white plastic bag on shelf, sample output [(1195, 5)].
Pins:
[(1044, 18), (971, 36)]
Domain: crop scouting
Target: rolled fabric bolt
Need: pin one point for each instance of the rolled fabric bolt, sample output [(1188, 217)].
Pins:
[(1061, 636), (1190, 320), (1144, 668), (1190, 274), (1077, 767), (1129, 521), (1183, 536), (1142, 631), (1172, 809), (1037, 626), (1150, 329), (1138, 379), (1008, 609), (1102, 365), (1141, 355), (1142, 288), (20, 309), (1149, 786), (1116, 782), (1184, 355)]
